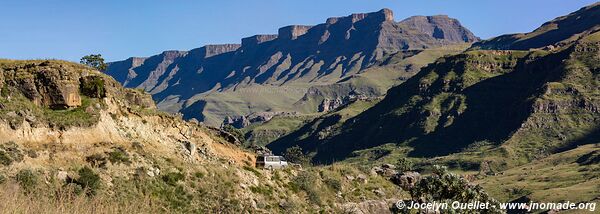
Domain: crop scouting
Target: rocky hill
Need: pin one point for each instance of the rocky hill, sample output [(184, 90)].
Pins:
[(272, 72), (50, 105)]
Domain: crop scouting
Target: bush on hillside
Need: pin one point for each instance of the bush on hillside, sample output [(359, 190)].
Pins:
[(27, 179), (295, 155), (89, 180)]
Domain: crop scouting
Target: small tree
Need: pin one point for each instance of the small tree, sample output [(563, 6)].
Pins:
[(237, 133), (94, 60), (295, 155), (404, 165)]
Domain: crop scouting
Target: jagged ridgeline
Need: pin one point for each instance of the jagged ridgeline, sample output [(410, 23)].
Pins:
[(519, 104), (302, 69)]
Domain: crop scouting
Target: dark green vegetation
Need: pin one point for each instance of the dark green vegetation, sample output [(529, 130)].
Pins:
[(442, 186), (95, 61), (295, 155), (93, 86), (88, 181)]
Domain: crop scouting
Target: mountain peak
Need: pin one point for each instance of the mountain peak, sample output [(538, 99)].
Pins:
[(382, 15), (440, 27)]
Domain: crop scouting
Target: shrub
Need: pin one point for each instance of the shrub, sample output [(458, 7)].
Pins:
[(335, 184), (263, 190), (93, 86), (96, 160), (119, 155), (295, 155), (443, 186), (9, 153), (306, 181), (404, 164), (89, 180), (253, 170), (27, 179), (235, 132), (5, 158), (172, 178), (199, 175)]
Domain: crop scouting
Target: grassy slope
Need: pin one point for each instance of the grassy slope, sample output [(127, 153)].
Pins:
[(555, 178), (320, 127), (264, 133), (256, 98), (538, 159)]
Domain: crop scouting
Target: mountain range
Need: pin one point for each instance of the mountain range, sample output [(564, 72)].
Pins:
[(520, 105), (283, 72)]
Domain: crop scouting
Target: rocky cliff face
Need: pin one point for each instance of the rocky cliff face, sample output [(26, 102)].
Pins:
[(310, 55)]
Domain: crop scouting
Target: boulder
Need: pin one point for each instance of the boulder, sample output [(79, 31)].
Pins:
[(406, 180), (62, 175), (139, 98), (386, 170)]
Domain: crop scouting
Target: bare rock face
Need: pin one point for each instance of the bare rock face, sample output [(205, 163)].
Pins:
[(51, 87), (257, 117), (441, 27), (330, 104), (293, 31), (212, 50), (141, 99), (237, 122), (257, 39)]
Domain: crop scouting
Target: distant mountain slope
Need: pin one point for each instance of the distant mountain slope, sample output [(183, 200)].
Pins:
[(528, 104), (557, 32), (298, 57)]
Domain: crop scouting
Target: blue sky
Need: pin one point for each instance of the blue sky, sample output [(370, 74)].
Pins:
[(118, 29)]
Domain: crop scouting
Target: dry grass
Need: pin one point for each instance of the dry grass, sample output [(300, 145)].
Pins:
[(15, 200)]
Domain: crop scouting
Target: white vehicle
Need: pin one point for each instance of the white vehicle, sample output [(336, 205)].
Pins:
[(270, 162)]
